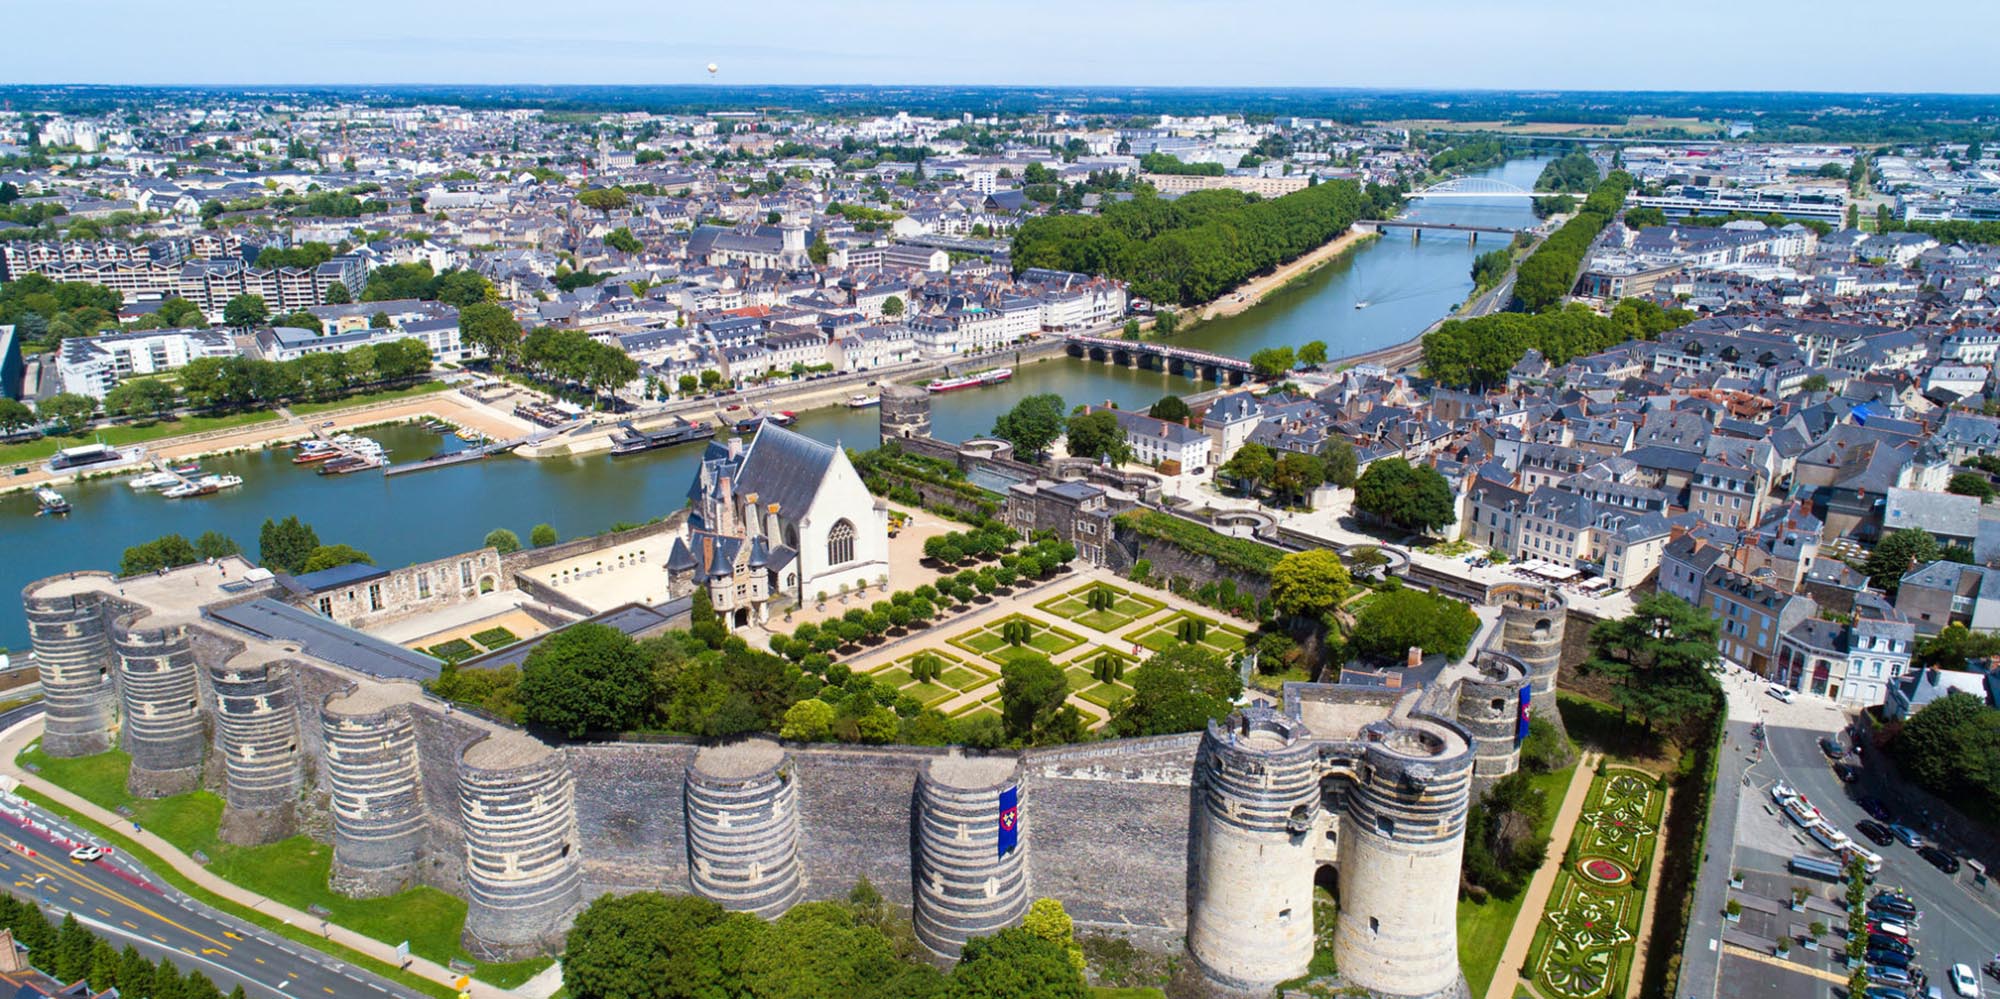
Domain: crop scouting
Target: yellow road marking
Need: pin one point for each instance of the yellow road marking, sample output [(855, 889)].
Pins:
[(106, 915), (211, 950), (158, 937), (128, 924), (259, 960), (89, 885), (231, 934)]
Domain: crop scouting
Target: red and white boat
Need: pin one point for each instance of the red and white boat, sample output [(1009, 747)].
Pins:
[(975, 380)]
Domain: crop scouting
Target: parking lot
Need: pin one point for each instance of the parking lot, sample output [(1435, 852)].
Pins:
[(1960, 921)]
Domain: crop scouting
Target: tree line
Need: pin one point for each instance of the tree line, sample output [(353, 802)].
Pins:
[(288, 545), (70, 953), (1198, 246), (649, 945), (1549, 272), (1479, 352)]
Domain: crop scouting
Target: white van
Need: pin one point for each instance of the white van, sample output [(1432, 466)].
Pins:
[(1783, 693)]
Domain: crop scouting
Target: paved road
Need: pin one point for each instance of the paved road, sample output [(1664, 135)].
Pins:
[(1960, 924), (123, 903)]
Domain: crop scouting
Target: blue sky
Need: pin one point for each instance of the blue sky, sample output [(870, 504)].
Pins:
[(1839, 45)]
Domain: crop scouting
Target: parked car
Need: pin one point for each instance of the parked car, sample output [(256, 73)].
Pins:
[(1785, 694), (1847, 772), (1875, 808), (1898, 977), (1887, 958), (1886, 992), (1963, 983), (1890, 927), (86, 854), (1909, 837), (1883, 941), (1939, 859), (1831, 747), (1895, 905), (1876, 832)]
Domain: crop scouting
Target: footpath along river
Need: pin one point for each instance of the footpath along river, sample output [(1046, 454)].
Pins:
[(1407, 284)]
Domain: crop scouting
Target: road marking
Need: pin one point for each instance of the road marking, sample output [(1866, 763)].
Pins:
[(158, 937), (86, 883), (128, 924), (101, 912), (211, 950), (259, 960), (327, 990), (231, 934)]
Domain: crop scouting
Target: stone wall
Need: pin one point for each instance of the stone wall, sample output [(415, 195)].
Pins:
[(1169, 560), (410, 591), (630, 815)]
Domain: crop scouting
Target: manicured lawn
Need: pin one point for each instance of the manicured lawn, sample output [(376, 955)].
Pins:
[(895, 676), (1483, 929), (975, 710), (292, 871), (963, 677), (363, 399), (1043, 639), (1221, 639), (1126, 608), (131, 433), (1106, 695), (930, 695), (1596, 725)]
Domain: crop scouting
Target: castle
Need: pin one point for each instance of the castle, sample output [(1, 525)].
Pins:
[(1210, 840)]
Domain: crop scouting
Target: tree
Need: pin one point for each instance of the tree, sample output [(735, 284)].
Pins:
[(1179, 689), (490, 328), (1396, 621), (380, 321), (1032, 690), (285, 545), (1951, 746), (1814, 383), (1898, 553), (1047, 920), (652, 946), (892, 306), (1412, 498), (688, 384), (810, 720), (1309, 583), (504, 541), (1296, 475), (819, 250), (622, 240), (245, 311), (1659, 660), (1015, 964), (588, 677), (178, 312), (15, 415), (1171, 408), (140, 397), (1098, 435), (215, 544), (70, 409), (1271, 363), (1131, 330), (1252, 463), (331, 556), (164, 552), (1166, 322), (1340, 461), (1032, 425), (1971, 484), (543, 535), (337, 294), (1313, 353), (702, 622)]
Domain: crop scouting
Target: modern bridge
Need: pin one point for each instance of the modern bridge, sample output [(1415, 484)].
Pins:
[(1479, 187), (1200, 365)]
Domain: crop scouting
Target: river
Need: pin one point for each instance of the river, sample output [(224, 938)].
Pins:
[(424, 515)]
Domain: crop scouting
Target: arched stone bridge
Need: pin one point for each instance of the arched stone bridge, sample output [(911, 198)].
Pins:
[(1200, 365)]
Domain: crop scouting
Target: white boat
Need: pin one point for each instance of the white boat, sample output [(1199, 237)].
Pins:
[(1361, 304), (53, 503), (863, 401), (220, 481), (154, 480), (182, 490)]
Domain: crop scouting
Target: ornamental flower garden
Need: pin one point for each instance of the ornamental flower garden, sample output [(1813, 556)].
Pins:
[(1584, 948)]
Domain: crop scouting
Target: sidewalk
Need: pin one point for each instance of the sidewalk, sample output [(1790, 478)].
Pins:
[(17, 739), (1508, 974)]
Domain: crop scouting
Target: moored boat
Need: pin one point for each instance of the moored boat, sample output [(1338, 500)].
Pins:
[(974, 380), (154, 480), (863, 401), (52, 503)]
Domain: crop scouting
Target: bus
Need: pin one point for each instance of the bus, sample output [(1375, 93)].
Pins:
[(1815, 867)]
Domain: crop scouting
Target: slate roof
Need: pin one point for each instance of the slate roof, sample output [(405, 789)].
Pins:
[(323, 639), (785, 468)]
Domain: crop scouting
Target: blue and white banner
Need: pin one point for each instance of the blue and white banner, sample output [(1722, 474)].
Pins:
[(1010, 820), (1521, 723)]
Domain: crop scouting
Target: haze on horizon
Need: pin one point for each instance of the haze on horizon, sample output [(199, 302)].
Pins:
[(1794, 45)]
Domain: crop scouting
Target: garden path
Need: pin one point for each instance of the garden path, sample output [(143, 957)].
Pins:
[(1508, 974)]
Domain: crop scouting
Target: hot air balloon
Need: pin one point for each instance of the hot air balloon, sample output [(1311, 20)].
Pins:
[(712, 68)]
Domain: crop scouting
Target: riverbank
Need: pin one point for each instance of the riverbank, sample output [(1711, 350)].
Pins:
[(285, 427), (1254, 290)]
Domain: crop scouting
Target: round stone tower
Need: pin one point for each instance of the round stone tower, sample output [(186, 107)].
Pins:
[(1401, 844), (1257, 794), (256, 716), (377, 798), (906, 411), (743, 828), (963, 886), (1489, 707), (1531, 630), (522, 875), (159, 688), (67, 630)]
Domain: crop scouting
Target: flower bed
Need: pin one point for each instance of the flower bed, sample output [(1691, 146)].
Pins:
[(1584, 947)]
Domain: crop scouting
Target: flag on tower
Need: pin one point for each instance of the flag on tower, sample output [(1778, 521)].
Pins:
[(1010, 819), (1521, 723)]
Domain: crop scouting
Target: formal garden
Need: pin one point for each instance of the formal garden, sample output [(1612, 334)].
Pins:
[(1188, 628), (934, 676), (478, 643), (1585, 945), (1003, 640), (1101, 607)]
